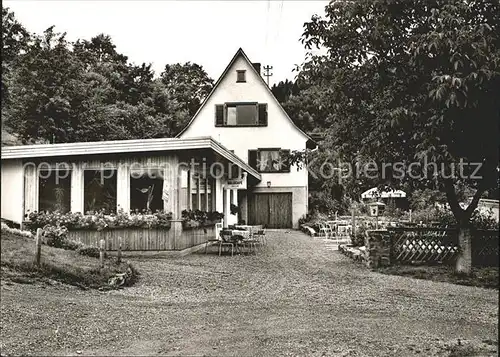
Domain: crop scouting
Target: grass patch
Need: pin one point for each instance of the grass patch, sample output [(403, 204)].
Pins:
[(69, 267), (481, 277)]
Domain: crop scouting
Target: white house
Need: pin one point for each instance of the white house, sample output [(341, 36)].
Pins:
[(243, 115), (227, 156)]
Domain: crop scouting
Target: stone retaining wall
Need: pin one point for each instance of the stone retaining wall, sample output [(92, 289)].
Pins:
[(375, 253), (378, 248)]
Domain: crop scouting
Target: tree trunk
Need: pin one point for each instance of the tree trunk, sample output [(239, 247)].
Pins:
[(464, 259)]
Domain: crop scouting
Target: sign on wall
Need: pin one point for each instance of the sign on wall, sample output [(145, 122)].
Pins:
[(239, 183)]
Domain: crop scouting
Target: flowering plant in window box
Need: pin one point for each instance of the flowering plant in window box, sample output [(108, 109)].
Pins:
[(233, 209), (198, 218), (99, 220)]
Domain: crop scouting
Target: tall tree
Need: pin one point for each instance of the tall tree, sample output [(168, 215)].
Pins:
[(414, 82), (15, 41), (283, 91), (88, 91), (45, 90), (188, 83)]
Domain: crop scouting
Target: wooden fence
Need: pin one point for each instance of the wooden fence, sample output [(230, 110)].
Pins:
[(485, 248), (143, 239), (430, 245), (410, 245), (195, 236)]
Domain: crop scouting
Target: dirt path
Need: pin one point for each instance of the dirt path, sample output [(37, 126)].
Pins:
[(294, 298)]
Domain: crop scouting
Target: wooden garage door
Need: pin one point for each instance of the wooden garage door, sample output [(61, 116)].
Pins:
[(273, 210)]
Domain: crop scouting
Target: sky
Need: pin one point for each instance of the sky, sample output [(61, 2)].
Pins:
[(205, 32)]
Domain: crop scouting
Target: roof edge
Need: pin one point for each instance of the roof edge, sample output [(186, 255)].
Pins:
[(123, 147), (242, 53)]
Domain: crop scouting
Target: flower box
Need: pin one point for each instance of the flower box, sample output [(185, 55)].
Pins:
[(190, 224)]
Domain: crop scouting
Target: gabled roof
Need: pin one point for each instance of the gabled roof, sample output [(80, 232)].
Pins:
[(124, 146), (241, 53)]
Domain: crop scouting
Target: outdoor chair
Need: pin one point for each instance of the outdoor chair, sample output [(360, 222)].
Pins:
[(226, 240), (210, 241), (325, 230), (251, 243), (344, 230), (216, 239), (260, 236)]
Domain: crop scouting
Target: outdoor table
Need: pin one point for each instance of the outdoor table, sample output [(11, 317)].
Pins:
[(244, 234), (237, 236), (248, 228)]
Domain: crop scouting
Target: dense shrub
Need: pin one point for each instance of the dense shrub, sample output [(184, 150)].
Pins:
[(482, 221), (358, 239), (323, 202), (55, 236), (71, 245), (88, 251), (6, 228), (444, 217), (392, 211), (304, 219)]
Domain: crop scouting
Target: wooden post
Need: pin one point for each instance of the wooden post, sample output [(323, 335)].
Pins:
[(102, 244), (189, 190), (178, 190), (198, 192), (207, 184), (226, 206), (410, 215), (119, 255), (353, 230), (213, 194), (38, 246)]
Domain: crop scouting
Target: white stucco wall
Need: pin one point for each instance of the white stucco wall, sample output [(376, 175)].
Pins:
[(12, 190), (280, 132)]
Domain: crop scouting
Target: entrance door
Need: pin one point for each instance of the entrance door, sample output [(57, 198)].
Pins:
[(272, 210)]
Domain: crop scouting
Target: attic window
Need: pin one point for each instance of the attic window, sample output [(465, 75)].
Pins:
[(241, 114), (240, 76)]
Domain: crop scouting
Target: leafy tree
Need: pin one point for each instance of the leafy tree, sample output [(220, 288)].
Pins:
[(88, 91), (45, 90), (188, 83), (283, 91), (413, 82), (15, 40)]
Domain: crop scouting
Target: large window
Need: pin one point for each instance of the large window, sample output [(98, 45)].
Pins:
[(99, 192), (54, 190), (146, 189), (205, 193), (269, 160), (241, 114)]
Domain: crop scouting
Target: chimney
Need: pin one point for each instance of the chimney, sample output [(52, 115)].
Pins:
[(257, 67)]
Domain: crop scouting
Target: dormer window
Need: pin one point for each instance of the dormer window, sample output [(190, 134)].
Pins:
[(241, 76)]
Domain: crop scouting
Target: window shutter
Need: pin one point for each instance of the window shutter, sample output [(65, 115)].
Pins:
[(219, 115), (286, 163), (263, 114), (252, 158)]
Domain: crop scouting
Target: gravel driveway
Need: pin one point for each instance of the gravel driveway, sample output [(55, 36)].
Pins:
[(294, 298)]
